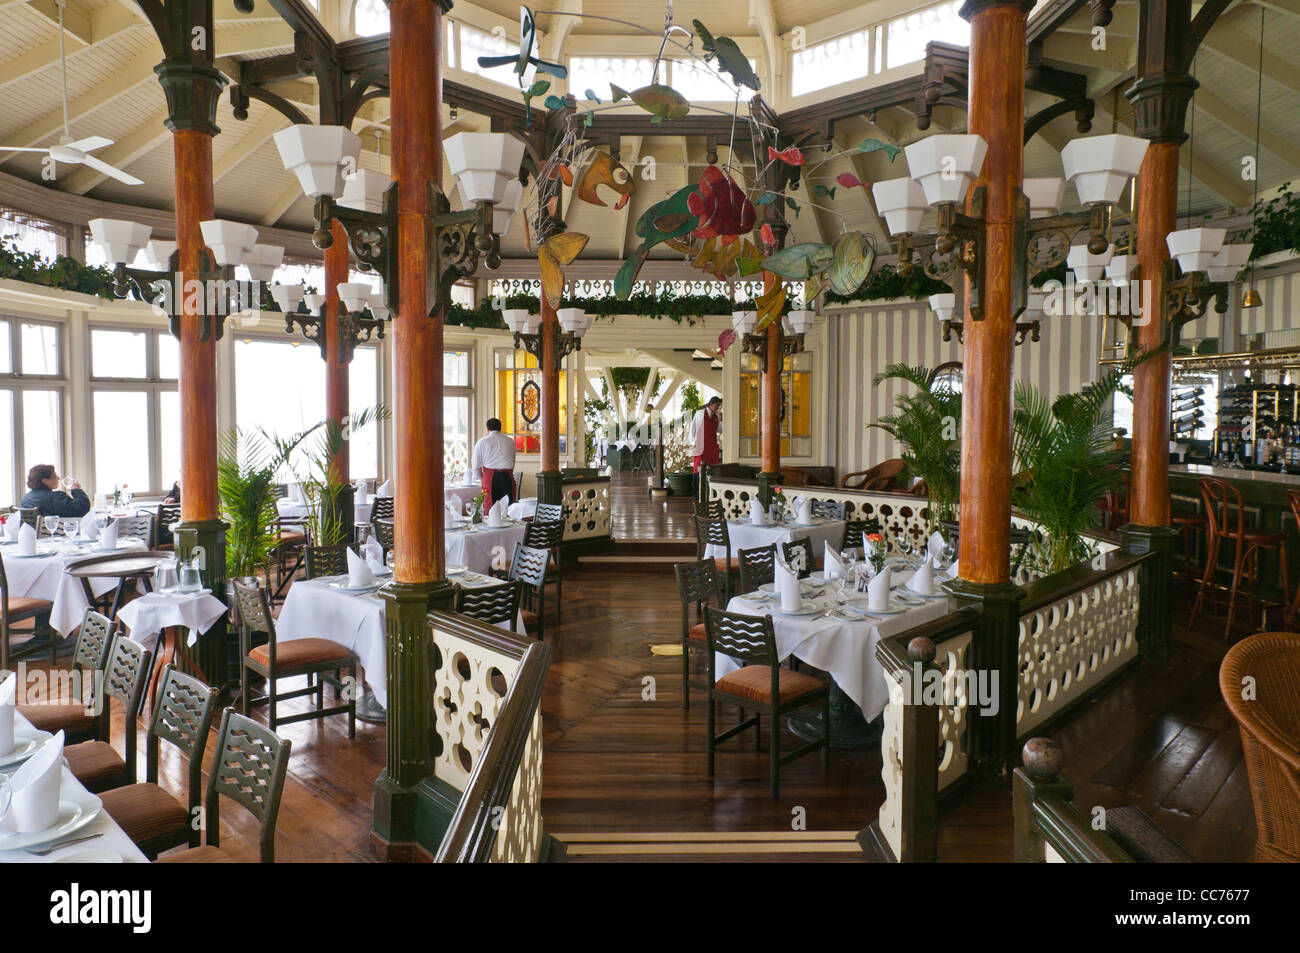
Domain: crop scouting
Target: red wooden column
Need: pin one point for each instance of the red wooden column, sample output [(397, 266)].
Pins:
[(415, 56), (548, 478), (336, 370), (770, 403)]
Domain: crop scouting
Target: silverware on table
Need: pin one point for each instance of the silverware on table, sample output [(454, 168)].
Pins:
[(44, 851)]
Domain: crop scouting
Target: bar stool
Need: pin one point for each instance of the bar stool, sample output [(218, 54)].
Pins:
[(1190, 526), (1221, 500), (1114, 505), (1293, 497)]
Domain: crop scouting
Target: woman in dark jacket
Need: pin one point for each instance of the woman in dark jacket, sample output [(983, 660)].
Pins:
[(44, 494)]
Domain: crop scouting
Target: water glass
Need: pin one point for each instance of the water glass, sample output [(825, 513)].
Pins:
[(51, 524)]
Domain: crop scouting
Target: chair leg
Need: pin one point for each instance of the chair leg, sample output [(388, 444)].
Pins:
[(352, 702), (711, 721), (686, 672), (826, 732), (244, 702), (1281, 562), (270, 699), (1238, 563), (774, 729), (1207, 578)]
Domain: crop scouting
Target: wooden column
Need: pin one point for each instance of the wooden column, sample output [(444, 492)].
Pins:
[(770, 431), (336, 369), (550, 390)]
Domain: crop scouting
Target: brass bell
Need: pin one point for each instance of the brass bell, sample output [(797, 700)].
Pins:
[(1251, 299)]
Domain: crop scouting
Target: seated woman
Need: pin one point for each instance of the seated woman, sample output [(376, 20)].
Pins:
[(44, 494)]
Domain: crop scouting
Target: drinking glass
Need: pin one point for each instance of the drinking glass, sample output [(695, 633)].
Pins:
[(51, 524)]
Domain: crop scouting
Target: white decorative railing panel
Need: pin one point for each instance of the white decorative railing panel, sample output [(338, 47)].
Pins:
[(469, 687), (586, 508)]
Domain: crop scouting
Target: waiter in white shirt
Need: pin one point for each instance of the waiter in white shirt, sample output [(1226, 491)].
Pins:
[(705, 427), (493, 464)]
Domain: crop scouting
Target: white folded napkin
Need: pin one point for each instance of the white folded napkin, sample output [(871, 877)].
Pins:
[(497, 513), (8, 690), (363, 492), (374, 554), (90, 526), (27, 540), (952, 570), (801, 506), (878, 591), (936, 548), (832, 565), (787, 585), (359, 573), (108, 535), (35, 787), (12, 522), (757, 515), (922, 580), (385, 489), (453, 512)]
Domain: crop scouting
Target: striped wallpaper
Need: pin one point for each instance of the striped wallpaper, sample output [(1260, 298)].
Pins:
[(866, 340), (1281, 294)]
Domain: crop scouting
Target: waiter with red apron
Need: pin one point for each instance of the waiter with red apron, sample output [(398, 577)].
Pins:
[(493, 464), (705, 426)]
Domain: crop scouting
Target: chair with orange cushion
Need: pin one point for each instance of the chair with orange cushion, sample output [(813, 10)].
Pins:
[(76, 719), (761, 686), (249, 767), (153, 818), (96, 764), (712, 531), (697, 583), (274, 661), (20, 609), (1226, 521)]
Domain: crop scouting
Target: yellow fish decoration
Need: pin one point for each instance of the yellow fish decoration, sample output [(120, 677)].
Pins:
[(553, 254), (769, 306), (604, 170)]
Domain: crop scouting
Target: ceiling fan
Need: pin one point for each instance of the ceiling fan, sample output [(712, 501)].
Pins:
[(68, 150)]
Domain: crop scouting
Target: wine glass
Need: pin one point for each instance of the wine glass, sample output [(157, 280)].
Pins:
[(51, 524), (849, 557)]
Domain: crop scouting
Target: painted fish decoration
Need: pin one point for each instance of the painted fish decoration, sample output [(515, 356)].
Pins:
[(790, 156), (768, 238), (525, 58), (553, 254), (604, 170), (537, 89), (770, 305), (661, 102), (721, 206), (850, 181), (591, 94), (854, 255), (661, 222), (729, 56), (767, 198), (875, 145), (799, 261), (823, 190)]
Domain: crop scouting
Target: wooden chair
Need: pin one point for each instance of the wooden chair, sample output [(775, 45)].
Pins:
[(1114, 505), (1270, 736), (1226, 521), (96, 764), (548, 534), (382, 508), (794, 476), (491, 604), (311, 657), (20, 609), (168, 513), (75, 719), (761, 686), (712, 531), (757, 567), (549, 512), (827, 510), (698, 586), (139, 526), (153, 819), (528, 567), (290, 552), (712, 509), (883, 477), (249, 768), (856, 532), (31, 516), (328, 560), (790, 553)]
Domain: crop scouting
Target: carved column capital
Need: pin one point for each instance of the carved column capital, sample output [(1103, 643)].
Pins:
[(1160, 103)]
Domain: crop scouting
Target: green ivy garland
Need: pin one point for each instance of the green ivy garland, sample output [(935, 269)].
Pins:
[(63, 272)]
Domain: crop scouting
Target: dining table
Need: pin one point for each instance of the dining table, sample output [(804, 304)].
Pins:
[(95, 837), (836, 632), (744, 534), (45, 576), (171, 612), (327, 608)]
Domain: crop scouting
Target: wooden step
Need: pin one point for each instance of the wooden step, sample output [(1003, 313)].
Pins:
[(708, 846)]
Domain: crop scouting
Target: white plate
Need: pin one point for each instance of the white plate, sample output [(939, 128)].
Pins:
[(344, 587), (806, 609), (77, 808), (921, 595), (90, 857), (26, 743), (456, 570), (29, 555), (894, 609)]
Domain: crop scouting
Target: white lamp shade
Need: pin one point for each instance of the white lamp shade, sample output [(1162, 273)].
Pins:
[(1087, 266), (801, 321), (516, 319), (571, 319), (316, 154), (1045, 196), (504, 211), (158, 254), (120, 239), (365, 190), (1034, 304), (1121, 268), (377, 306), (262, 261), (355, 294), (287, 296), (314, 302), (743, 321), (946, 165), (1100, 166), (902, 202), (1195, 248), (483, 163), (1229, 261), (943, 306), (229, 241)]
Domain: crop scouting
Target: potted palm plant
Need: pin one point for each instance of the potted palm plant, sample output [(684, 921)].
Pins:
[(928, 426), (246, 488)]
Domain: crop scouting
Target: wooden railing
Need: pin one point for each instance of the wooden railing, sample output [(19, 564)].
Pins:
[(487, 715), (897, 512), (1049, 827)]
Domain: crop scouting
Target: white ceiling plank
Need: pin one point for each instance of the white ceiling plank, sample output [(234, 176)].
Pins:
[(1243, 50), (253, 138), (107, 23), (75, 20), (1244, 126), (276, 209), (139, 142)]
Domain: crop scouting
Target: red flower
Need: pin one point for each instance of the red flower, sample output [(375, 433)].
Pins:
[(721, 207), (875, 537)]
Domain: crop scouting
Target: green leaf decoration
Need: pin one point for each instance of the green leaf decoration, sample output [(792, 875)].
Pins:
[(554, 102), (875, 145), (799, 261), (590, 118), (539, 87)]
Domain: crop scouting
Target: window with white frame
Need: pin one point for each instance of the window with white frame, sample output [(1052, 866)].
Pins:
[(135, 409), (32, 382), (32, 234), (457, 415), (839, 60), (370, 18), (699, 83), (907, 36), (475, 43), (598, 72)]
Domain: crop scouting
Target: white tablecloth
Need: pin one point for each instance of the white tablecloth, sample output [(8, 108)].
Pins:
[(42, 577), (482, 549), (463, 494), (292, 510), (313, 609), (847, 650), (744, 535), (524, 509), (151, 613), (114, 839)]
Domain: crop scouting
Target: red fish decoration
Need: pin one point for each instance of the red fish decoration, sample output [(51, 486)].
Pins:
[(725, 340), (768, 238), (850, 181), (790, 156), (721, 206)]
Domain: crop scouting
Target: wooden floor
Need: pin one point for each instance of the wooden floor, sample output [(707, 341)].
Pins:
[(622, 758), (638, 516)]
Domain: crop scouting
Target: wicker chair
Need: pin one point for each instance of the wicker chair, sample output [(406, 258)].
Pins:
[(75, 719), (1270, 736), (249, 768), (697, 584), (20, 609), (96, 764), (491, 604), (883, 477), (757, 566)]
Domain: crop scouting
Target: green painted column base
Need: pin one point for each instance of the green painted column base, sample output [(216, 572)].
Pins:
[(550, 487), (994, 651), (213, 648), (1155, 612), (767, 484), (411, 660)]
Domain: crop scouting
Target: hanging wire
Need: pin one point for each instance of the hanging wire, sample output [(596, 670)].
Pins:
[(1259, 113), (1191, 155)]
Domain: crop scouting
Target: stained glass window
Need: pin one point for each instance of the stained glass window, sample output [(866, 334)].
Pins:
[(519, 400), (796, 406)]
